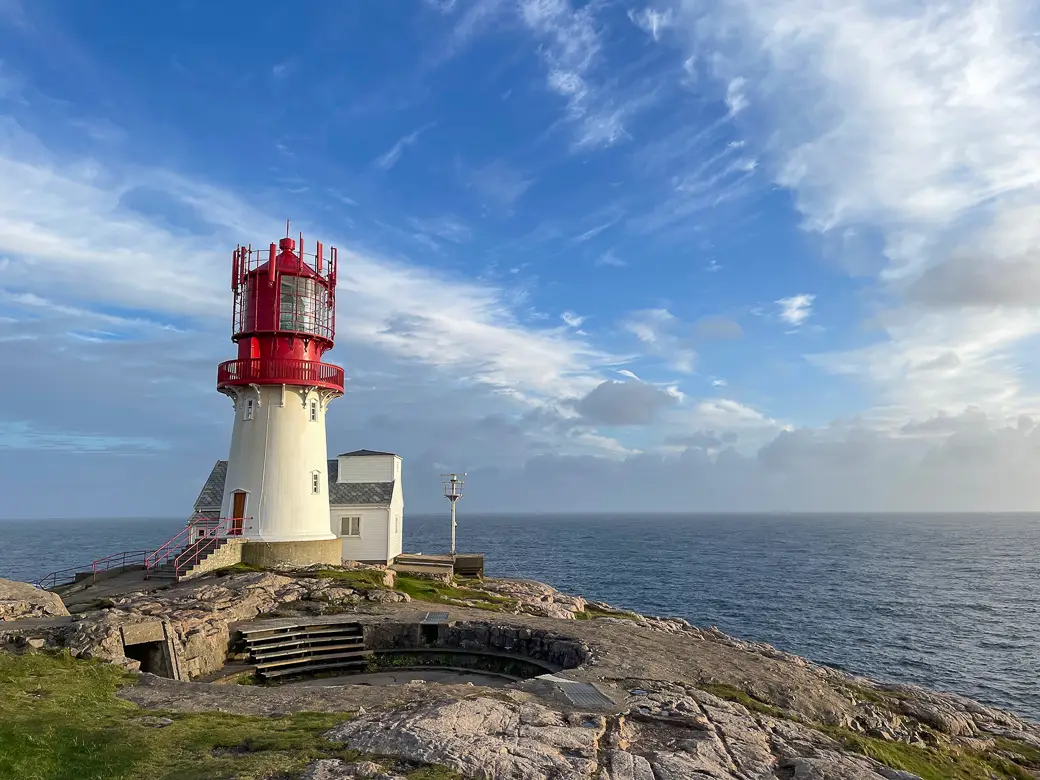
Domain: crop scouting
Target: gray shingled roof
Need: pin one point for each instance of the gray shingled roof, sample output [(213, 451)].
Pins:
[(363, 452), (212, 494), (353, 493)]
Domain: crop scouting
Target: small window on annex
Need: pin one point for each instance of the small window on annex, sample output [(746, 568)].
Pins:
[(314, 411), (315, 481), (350, 526), (247, 414)]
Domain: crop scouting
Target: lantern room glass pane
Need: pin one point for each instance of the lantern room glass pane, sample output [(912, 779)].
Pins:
[(300, 308)]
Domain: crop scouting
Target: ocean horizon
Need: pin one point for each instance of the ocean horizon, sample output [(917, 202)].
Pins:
[(947, 601)]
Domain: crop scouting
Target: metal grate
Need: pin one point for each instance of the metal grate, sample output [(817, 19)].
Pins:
[(435, 617), (580, 694)]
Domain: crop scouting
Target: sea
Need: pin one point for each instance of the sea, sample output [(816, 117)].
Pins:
[(950, 602)]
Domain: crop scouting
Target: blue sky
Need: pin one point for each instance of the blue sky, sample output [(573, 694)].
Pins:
[(771, 255)]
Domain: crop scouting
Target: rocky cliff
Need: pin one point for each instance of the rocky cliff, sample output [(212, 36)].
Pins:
[(674, 700)]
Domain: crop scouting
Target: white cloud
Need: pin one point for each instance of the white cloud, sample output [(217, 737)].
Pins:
[(390, 157), (498, 184), (736, 99), (573, 320), (651, 22), (664, 335), (610, 259), (571, 46), (796, 309), (916, 125), (67, 236), (448, 227)]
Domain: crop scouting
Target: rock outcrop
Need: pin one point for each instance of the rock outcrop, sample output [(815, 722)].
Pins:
[(20, 600), (197, 615), (693, 735), (676, 701)]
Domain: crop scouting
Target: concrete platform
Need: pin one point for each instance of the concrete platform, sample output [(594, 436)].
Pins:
[(462, 564)]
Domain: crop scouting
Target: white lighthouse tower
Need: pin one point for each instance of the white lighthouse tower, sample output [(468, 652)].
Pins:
[(276, 491)]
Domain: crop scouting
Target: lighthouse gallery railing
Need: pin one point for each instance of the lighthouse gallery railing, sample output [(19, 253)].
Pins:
[(279, 371)]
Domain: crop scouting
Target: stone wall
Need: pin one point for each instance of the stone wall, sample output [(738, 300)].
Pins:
[(545, 646), (226, 555), (272, 554)]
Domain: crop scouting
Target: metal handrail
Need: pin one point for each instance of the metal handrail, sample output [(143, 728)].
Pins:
[(224, 528), (114, 561), (163, 553)]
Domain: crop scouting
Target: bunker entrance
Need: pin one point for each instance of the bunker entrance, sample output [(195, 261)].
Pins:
[(147, 643), (153, 656)]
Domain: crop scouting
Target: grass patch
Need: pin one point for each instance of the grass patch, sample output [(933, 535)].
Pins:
[(436, 592), (731, 693), (360, 579), (859, 693), (60, 720), (1026, 755), (591, 613), (239, 568), (940, 763), (943, 763)]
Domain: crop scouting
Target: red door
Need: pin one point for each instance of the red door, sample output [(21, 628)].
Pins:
[(238, 510)]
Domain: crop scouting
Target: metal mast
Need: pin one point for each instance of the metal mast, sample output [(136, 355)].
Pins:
[(453, 492)]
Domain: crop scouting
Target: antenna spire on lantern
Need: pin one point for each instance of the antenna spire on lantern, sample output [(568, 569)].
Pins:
[(286, 227)]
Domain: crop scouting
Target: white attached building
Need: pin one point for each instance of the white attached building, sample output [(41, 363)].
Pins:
[(366, 503)]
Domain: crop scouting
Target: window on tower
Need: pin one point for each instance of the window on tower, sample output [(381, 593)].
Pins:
[(248, 413), (314, 411), (315, 481)]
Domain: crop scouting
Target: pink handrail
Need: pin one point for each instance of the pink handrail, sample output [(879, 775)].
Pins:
[(114, 561), (206, 542), (163, 553)]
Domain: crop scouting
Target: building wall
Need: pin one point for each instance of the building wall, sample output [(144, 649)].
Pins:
[(369, 468), (396, 529), (372, 546), (272, 458)]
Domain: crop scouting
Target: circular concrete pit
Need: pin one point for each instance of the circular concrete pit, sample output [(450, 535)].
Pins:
[(387, 652)]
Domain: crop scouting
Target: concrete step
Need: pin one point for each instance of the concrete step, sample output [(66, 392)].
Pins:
[(314, 658), (304, 650), (348, 663), (255, 638)]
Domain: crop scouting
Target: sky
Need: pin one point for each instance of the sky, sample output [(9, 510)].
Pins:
[(780, 255)]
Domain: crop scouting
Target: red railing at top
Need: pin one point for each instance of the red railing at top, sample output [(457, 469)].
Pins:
[(279, 371)]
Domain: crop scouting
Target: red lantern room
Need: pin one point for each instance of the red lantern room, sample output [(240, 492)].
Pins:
[(284, 317)]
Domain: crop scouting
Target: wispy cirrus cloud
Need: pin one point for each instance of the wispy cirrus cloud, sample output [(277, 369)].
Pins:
[(498, 183), (391, 156), (652, 22), (663, 334)]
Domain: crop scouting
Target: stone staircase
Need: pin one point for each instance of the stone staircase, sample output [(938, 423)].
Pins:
[(303, 649), (169, 570)]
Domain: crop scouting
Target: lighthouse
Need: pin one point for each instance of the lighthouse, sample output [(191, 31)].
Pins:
[(276, 492)]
